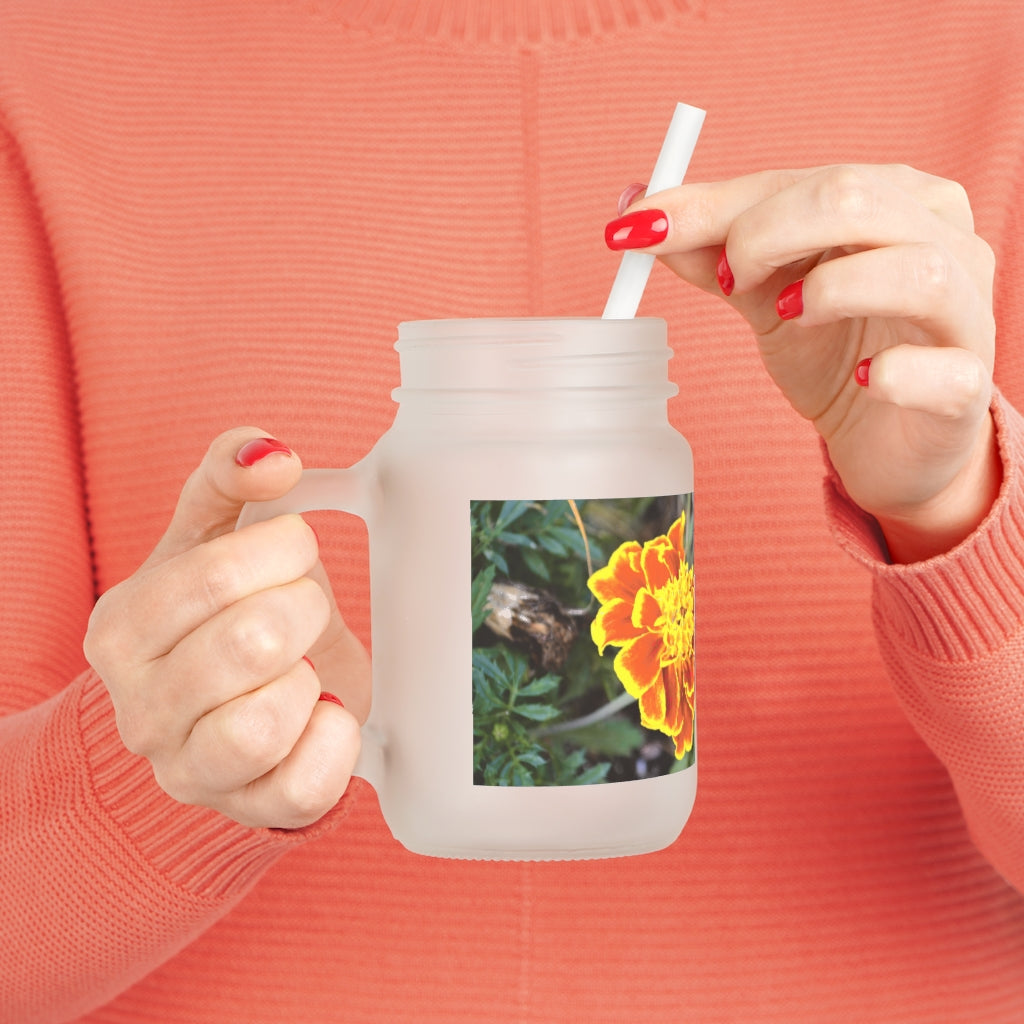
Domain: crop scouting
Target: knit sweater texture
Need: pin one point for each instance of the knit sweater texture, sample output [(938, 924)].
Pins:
[(215, 214)]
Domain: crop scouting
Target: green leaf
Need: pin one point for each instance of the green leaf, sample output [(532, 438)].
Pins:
[(516, 540), (483, 663), (510, 512), (494, 771), (554, 512), (497, 559), (489, 686), (481, 589), (549, 542), (614, 737), (571, 764), (534, 561), (571, 538), (534, 758), (515, 774), (537, 712), (513, 665), (540, 685), (592, 775)]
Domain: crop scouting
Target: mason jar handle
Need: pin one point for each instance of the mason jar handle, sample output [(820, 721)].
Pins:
[(332, 490), (337, 490)]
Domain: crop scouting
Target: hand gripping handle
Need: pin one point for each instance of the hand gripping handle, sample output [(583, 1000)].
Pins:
[(340, 490)]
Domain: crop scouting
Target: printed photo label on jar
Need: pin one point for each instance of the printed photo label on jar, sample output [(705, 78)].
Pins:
[(583, 640)]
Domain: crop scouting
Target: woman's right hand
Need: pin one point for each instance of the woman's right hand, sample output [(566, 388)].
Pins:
[(871, 299), (203, 650)]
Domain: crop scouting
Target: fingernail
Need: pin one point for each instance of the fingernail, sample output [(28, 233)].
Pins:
[(790, 303), (861, 373), (252, 451), (309, 663), (330, 698), (724, 274), (637, 230), (629, 196)]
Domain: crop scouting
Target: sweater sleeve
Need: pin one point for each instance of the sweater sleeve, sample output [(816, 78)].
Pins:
[(102, 876), (951, 631)]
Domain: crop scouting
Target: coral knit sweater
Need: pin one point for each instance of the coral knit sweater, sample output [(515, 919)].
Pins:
[(215, 213)]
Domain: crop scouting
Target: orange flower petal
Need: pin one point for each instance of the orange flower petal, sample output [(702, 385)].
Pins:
[(652, 708), (676, 703), (613, 625), (684, 739), (646, 610), (660, 563), (675, 533), (621, 577), (637, 665), (673, 713), (631, 551)]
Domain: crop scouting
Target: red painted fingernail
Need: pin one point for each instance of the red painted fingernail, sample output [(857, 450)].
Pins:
[(637, 230), (861, 373), (790, 303), (252, 451), (309, 663), (629, 196), (330, 698), (724, 274)]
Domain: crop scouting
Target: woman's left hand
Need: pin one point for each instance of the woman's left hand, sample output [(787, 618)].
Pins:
[(870, 297)]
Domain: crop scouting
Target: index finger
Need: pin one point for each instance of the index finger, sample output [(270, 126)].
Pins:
[(173, 598), (700, 214)]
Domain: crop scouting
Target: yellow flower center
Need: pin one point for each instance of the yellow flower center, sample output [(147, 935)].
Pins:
[(675, 622)]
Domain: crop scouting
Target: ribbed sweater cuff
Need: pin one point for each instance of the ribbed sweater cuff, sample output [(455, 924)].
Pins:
[(962, 604), (198, 850)]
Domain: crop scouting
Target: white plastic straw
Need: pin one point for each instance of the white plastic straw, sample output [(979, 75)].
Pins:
[(674, 158)]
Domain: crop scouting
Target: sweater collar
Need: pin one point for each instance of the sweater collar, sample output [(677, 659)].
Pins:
[(523, 22)]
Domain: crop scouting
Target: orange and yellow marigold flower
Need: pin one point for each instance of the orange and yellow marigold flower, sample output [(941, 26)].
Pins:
[(646, 595)]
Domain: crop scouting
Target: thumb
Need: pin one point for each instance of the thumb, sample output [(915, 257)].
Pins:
[(241, 465)]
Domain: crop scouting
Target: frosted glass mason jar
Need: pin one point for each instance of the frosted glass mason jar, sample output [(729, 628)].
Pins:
[(530, 525)]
